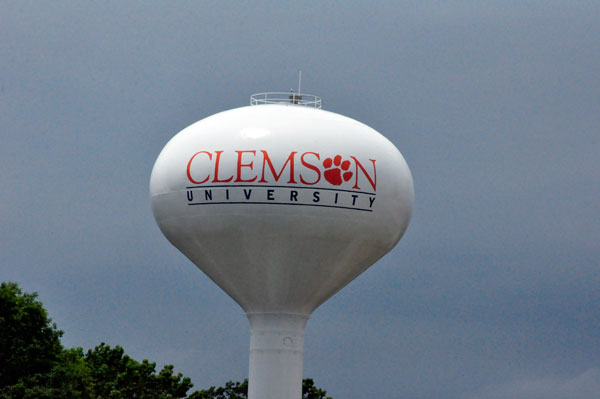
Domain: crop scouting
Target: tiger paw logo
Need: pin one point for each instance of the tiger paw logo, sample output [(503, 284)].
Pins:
[(336, 170)]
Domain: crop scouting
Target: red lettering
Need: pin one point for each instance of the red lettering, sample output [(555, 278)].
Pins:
[(267, 164), (373, 181), (241, 165), (310, 166), (189, 165), (267, 160), (216, 178)]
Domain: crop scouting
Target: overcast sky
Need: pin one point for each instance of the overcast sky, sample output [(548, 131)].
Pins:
[(494, 291)]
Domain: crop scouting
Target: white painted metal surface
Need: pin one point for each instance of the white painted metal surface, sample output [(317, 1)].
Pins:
[(281, 206)]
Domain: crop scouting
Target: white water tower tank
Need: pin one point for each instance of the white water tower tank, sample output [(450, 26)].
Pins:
[(281, 204)]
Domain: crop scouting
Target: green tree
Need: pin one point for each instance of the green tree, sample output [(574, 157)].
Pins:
[(239, 390), (34, 364), (29, 342), (68, 379), (231, 390), (116, 375), (102, 373), (310, 391)]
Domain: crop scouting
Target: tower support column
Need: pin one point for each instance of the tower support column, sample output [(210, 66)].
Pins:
[(276, 352)]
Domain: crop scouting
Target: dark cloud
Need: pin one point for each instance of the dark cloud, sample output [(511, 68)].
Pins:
[(584, 386)]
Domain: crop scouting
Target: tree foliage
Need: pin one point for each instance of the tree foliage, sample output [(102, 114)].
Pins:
[(231, 390), (34, 364), (310, 391), (29, 342), (115, 375), (239, 390)]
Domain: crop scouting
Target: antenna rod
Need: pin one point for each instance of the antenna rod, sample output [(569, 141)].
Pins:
[(299, 81)]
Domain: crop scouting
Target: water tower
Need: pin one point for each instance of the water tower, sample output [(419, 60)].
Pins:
[(281, 204)]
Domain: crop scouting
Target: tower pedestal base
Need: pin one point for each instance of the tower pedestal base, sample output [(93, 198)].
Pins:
[(276, 352)]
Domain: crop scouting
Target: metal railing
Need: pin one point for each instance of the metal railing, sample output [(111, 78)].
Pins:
[(307, 100)]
